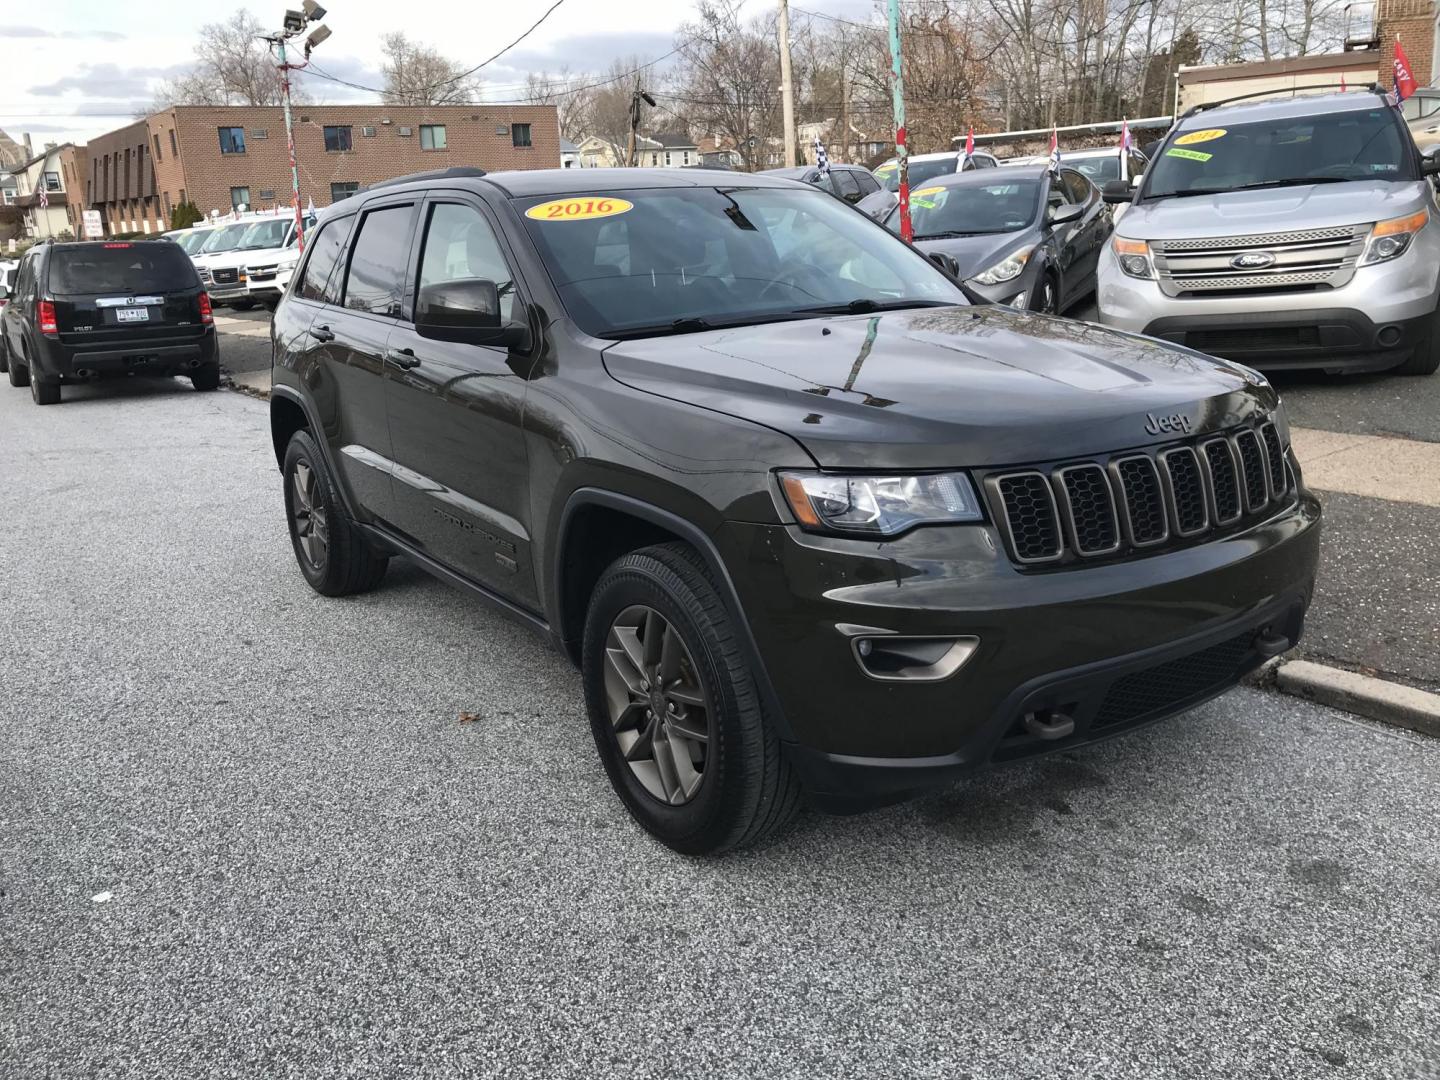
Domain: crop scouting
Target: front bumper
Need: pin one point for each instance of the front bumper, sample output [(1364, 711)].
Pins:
[(1372, 323), (1065, 640)]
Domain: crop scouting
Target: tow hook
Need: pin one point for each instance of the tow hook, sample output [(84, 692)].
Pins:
[(1268, 643), (1049, 725)]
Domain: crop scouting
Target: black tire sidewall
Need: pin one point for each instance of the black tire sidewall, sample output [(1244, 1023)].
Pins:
[(697, 825), (302, 448)]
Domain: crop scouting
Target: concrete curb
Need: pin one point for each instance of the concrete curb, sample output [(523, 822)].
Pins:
[(1374, 699)]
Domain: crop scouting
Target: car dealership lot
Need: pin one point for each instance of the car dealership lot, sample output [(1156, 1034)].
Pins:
[(314, 867)]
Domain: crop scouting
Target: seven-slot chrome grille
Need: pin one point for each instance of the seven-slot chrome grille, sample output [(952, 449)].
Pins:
[(1139, 501), (1309, 259)]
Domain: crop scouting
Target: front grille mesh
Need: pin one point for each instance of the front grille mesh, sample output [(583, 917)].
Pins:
[(1167, 685), (1092, 510), (1174, 494), (1030, 514)]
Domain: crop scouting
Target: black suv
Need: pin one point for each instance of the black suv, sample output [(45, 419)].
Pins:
[(806, 517), (96, 310)]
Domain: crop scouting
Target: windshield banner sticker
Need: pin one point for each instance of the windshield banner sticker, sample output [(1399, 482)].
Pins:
[(1200, 136), (578, 209), (1188, 155)]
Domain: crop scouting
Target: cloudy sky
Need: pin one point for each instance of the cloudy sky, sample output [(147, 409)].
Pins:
[(73, 69)]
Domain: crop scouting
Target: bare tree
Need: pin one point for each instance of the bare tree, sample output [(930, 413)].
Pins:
[(232, 67), (416, 74), (571, 95)]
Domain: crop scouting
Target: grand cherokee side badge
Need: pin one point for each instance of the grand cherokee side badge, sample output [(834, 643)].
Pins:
[(1159, 425)]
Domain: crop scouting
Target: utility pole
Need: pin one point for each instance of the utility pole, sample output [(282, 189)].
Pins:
[(635, 99), (295, 24), (897, 91), (787, 85)]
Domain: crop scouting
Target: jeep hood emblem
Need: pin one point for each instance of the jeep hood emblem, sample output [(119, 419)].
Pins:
[(1252, 260), (1175, 422)]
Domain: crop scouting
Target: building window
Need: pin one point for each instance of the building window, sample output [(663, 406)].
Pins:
[(343, 191), (687, 157), (182, 195), (52, 181), (239, 196), (158, 156), (232, 140), (432, 136), (520, 134), (165, 200), (174, 148), (337, 139), (267, 194), (667, 157)]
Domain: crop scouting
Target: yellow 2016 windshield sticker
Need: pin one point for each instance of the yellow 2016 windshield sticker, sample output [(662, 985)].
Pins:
[(1188, 155), (1208, 135), (926, 191), (582, 209)]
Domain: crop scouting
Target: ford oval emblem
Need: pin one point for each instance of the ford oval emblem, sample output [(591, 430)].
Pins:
[(1252, 260)]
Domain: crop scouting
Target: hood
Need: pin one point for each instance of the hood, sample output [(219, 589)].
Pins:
[(1236, 213), (945, 387), (976, 254), (240, 258)]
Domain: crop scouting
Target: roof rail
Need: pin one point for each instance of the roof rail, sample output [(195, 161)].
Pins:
[(1205, 106), (458, 172)]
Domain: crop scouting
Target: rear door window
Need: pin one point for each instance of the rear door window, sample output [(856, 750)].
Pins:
[(375, 282), (326, 247), (120, 268), (845, 185), (868, 184), (1077, 188)]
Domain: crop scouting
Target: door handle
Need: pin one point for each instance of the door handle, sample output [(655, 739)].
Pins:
[(404, 359), (322, 333)]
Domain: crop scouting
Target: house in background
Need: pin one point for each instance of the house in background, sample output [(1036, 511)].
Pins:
[(670, 150), (46, 172), (719, 153), (569, 155)]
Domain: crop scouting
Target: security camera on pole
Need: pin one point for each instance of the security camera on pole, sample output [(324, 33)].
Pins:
[(295, 24)]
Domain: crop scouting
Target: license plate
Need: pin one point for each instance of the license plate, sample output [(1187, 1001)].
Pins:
[(132, 314)]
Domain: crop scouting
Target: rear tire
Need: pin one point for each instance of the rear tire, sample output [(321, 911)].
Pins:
[(18, 374), (1425, 360), (4, 353), (746, 790), (242, 305), (206, 378), (44, 392), (332, 552)]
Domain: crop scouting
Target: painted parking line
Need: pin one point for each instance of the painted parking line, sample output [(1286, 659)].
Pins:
[(1401, 470)]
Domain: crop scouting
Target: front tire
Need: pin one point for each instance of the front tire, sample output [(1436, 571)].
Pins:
[(674, 708), (1046, 297), (332, 552), (1425, 360)]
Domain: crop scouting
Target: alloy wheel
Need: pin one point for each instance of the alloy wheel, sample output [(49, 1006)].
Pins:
[(308, 510), (656, 705)]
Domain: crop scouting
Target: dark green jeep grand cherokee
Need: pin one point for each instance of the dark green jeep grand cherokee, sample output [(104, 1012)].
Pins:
[(808, 520)]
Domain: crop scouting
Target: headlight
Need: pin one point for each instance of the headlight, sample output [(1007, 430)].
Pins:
[(1391, 239), (1133, 257), (1005, 270), (288, 264), (879, 505)]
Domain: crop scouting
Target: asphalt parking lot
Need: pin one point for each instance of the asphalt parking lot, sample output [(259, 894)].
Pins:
[(246, 834)]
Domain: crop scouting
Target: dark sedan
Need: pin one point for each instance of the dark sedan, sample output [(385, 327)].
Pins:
[(1026, 237)]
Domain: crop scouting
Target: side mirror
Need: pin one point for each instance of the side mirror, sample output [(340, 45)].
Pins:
[(467, 311), (945, 262), (1430, 161), (1066, 213), (1119, 191), (4, 293)]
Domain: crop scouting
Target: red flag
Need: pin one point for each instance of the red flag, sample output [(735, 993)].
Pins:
[(1343, 87), (1404, 75), (970, 141), (1054, 147)]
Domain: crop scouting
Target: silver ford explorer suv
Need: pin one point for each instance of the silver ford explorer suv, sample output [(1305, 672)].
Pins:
[(1296, 233)]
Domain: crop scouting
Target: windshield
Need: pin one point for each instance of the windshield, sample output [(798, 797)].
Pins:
[(264, 234), (965, 209), (120, 268), (665, 255), (1098, 169), (1353, 145), (225, 238), (920, 171)]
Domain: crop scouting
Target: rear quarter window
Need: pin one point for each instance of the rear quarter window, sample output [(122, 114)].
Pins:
[(120, 268)]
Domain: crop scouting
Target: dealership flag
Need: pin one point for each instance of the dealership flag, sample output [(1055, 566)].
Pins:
[(1125, 145), (1404, 75), (1054, 147), (1343, 87), (822, 159), (969, 143)]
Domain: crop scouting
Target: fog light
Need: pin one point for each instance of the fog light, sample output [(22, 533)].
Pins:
[(863, 646)]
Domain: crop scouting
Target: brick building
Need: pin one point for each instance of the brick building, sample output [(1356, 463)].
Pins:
[(1414, 23), (222, 156)]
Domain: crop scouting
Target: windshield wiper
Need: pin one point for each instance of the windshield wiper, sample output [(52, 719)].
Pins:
[(864, 306), (693, 324), (1289, 181)]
